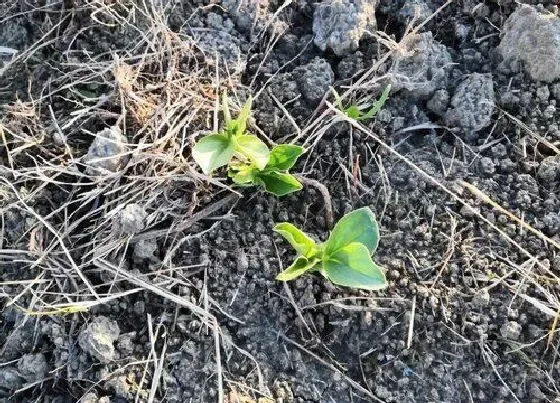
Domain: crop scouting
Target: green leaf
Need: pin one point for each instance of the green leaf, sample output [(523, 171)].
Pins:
[(244, 115), (278, 183), (357, 226), (304, 245), (253, 148), (238, 126), (378, 104), (213, 151), (353, 112), (352, 266), (284, 156), (337, 100), (242, 174), (299, 267)]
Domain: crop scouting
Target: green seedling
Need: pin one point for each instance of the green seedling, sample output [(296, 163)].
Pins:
[(274, 177), (354, 112), (345, 258), (218, 149), (248, 158)]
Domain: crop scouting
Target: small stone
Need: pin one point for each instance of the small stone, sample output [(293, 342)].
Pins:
[(242, 261), (248, 14), (433, 301), (19, 341), (552, 223), (97, 338), (139, 308), (533, 38), (144, 249), (469, 211), (482, 298), (549, 169), (423, 69), (125, 344), (472, 104), (10, 379), (511, 330), (107, 152), (549, 112), (131, 219), (340, 24), (438, 103), (33, 367), (543, 93), (219, 41), (487, 166), (314, 79)]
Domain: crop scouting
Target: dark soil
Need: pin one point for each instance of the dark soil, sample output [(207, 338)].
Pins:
[(470, 311)]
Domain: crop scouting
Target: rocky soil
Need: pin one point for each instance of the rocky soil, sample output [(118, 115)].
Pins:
[(128, 275)]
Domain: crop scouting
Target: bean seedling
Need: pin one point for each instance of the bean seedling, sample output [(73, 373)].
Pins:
[(354, 112), (249, 160), (345, 258)]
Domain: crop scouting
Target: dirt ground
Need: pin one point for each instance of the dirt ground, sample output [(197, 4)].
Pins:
[(127, 275)]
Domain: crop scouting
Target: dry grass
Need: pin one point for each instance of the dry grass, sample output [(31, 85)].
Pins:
[(160, 91)]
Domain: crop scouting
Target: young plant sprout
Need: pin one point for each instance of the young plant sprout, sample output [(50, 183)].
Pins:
[(248, 158), (354, 112), (274, 177), (345, 258)]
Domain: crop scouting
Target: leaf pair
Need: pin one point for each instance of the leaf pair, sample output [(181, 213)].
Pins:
[(249, 160), (274, 177), (345, 258), (354, 112)]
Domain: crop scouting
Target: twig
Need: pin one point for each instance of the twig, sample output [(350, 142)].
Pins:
[(219, 370), (475, 191), (489, 359), (411, 323), (329, 220)]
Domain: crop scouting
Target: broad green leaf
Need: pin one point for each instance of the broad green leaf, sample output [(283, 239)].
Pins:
[(304, 245), (253, 148), (357, 226), (352, 266), (299, 267), (242, 174), (284, 156), (213, 151), (378, 104), (278, 183)]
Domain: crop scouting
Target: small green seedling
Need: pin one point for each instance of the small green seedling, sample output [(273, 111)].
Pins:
[(353, 112), (218, 149), (345, 258), (274, 177), (248, 158)]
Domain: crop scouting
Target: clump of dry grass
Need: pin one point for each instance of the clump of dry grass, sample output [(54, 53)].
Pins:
[(160, 91)]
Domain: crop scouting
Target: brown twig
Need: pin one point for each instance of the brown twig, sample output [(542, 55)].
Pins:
[(329, 220)]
